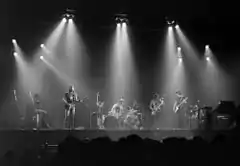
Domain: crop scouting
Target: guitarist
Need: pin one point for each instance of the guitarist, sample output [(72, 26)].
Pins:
[(180, 101), (100, 105), (156, 104), (70, 99)]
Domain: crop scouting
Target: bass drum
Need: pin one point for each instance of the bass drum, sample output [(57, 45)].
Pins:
[(132, 122), (110, 123)]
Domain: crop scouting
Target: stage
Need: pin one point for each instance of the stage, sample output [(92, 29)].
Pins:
[(18, 140)]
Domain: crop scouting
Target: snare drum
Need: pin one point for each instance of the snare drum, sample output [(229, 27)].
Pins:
[(110, 122)]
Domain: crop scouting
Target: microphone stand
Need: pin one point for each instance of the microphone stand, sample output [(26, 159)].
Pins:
[(90, 119)]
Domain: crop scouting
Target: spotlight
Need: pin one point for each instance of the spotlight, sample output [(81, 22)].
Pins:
[(15, 54), (208, 58), (170, 21), (41, 57), (121, 18), (69, 14), (64, 20), (42, 45), (180, 59), (14, 41), (207, 47), (176, 26), (179, 48)]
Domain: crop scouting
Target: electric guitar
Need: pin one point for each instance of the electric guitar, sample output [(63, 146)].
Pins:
[(72, 105), (178, 106), (156, 107)]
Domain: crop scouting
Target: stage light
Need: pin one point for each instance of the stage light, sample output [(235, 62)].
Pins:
[(170, 21), (170, 28), (121, 18), (208, 58), (176, 26), (15, 54), (42, 45), (207, 47), (179, 48), (14, 41), (64, 20), (41, 57), (69, 15)]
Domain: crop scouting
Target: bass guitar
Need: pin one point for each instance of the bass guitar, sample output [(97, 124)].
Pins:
[(178, 106), (156, 107)]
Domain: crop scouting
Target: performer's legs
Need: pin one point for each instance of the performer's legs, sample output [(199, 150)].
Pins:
[(73, 117), (66, 119)]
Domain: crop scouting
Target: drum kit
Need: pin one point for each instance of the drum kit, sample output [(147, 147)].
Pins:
[(128, 119)]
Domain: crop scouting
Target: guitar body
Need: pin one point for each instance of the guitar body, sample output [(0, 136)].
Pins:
[(179, 105), (156, 107)]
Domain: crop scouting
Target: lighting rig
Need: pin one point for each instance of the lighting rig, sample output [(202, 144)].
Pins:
[(170, 22), (121, 18), (69, 14)]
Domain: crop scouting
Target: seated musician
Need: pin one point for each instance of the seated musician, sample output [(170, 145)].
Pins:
[(117, 111), (118, 108), (40, 113), (70, 100)]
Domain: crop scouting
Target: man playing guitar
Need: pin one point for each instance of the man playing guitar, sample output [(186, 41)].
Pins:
[(70, 99), (180, 101), (156, 104)]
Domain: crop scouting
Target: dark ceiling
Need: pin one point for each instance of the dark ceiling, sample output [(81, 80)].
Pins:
[(205, 20)]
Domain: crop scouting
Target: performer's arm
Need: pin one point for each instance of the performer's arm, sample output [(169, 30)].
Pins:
[(174, 106), (65, 98)]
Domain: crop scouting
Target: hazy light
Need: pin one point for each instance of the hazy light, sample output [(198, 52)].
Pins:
[(170, 28), (41, 57), (42, 45), (118, 24), (14, 41), (179, 48), (207, 47), (180, 59), (208, 58), (176, 26), (70, 20), (15, 54), (64, 20)]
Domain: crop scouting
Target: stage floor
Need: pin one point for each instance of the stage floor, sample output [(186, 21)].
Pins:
[(18, 140)]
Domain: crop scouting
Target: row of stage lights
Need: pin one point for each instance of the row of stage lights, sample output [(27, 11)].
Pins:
[(178, 49), (121, 19)]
